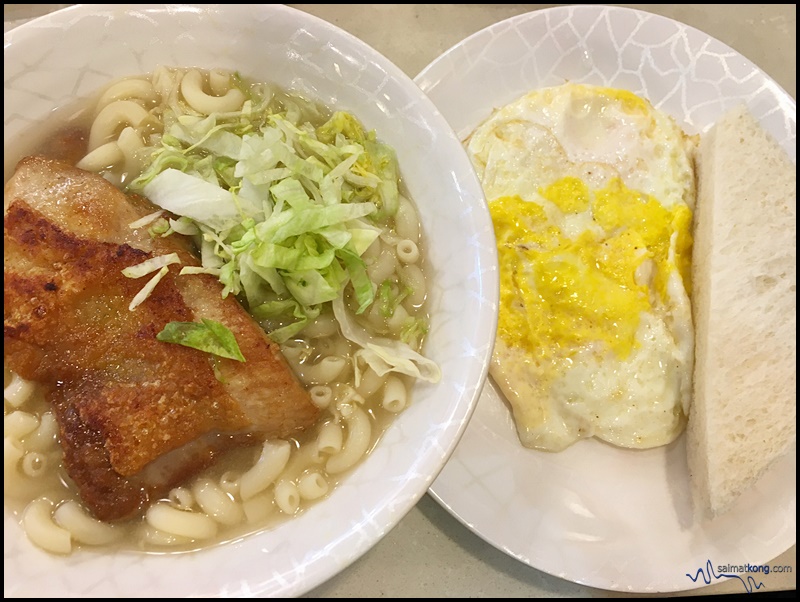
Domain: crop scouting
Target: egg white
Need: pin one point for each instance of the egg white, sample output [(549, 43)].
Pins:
[(596, 135)]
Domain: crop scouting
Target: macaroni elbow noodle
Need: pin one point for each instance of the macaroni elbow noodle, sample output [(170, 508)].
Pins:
[(126, 89), (258, 508), (13, 452), (34, 464), (323, 372), (130, 145), (216, 503), (273, 459), (193, 94), (407, 251), (406, 220), (324, 326), (181, 498), (295, 353), (395, 395), (330, 438), (355, 447), (398, 320), (102, 157), (287, 498), (412, 276), (37, 519), (312, 486), (113, 118), (193, 525), (229, 482), (321, 396), (18, 390), (162, 539), (17, 424), (383, 266), (82, 527), (369, 382), (45, 437), (219, 81)]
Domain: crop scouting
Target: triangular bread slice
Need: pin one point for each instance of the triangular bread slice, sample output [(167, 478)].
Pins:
[(743, 416)]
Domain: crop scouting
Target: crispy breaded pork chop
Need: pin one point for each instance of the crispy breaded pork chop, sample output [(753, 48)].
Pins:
[(136, 415)]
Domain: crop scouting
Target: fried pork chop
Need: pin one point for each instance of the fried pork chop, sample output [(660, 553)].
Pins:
[(136, 415)]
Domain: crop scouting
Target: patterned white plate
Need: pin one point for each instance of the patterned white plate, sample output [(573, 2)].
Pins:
[(594, 514), (52, 61)]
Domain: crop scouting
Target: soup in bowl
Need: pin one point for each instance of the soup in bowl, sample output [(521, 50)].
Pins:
[(297, 287)]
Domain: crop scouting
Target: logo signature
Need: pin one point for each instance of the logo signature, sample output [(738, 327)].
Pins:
[(708, 574)]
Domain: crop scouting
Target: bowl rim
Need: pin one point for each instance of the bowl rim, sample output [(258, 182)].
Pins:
[(397, 505)]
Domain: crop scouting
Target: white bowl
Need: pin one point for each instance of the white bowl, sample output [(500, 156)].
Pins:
[(53, 60)]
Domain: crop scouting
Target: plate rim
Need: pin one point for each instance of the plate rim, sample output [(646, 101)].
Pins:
[(428, 78)]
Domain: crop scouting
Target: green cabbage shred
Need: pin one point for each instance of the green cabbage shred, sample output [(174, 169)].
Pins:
[(282, 211)]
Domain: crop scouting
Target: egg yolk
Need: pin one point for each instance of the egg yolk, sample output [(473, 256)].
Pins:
[(570, 195), (631, 103), (560, 294)]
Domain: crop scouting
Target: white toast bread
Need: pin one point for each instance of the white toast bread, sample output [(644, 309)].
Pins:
[(743, 415)]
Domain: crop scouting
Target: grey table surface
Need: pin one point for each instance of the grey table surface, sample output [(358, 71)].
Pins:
[(430, 553)]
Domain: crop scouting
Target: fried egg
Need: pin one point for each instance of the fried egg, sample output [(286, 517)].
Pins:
[(591, 192)]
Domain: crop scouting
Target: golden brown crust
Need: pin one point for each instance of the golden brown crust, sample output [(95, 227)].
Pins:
[(145, 397), (67, 325), (107, 493)]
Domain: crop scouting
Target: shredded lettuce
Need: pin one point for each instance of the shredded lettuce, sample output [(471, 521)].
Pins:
[(149, 266), (281, 210), (195, 198), (146, 220), (147, 289), (160, 227), (413, 331), (384, 355), (389, 299), (282, 213)]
